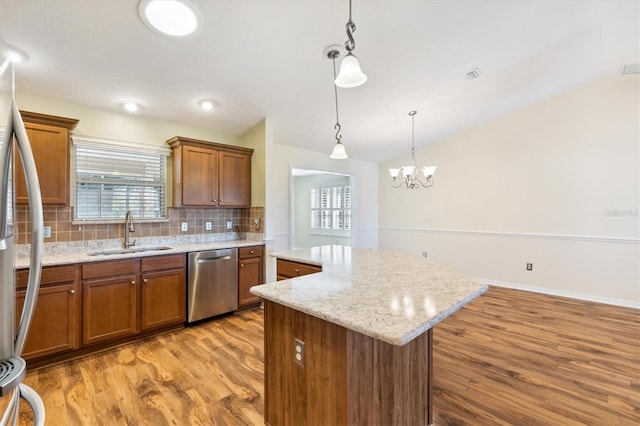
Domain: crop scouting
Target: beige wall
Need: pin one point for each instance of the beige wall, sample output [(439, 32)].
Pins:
[(254, 138), (555, 184)]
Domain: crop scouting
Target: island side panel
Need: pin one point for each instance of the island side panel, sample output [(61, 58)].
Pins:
[(296, 395), (388, 384), (348, 378)]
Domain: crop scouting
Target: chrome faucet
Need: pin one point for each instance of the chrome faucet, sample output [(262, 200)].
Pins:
[(128, 227)]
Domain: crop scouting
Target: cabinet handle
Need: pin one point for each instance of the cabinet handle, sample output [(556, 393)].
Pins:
[(251, 251), (214, 200), (133, 282), (297, 271), (242, 265), (145, 280), (221, 200), (72, 292)]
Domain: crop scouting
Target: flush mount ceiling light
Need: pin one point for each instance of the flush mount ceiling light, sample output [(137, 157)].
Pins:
[(350, 73), (208, 104), (17, 55), (410, 178), (129, 106), (338, 153), (175, 18)]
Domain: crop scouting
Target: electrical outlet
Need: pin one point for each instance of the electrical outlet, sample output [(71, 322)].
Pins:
[(184, 227), (299, 354), (229, 225), (424, 254), (46, 232), (529, 266), (207, 226)]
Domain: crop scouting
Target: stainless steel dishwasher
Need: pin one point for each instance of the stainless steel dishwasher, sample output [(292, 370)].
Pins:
[(213, 283)]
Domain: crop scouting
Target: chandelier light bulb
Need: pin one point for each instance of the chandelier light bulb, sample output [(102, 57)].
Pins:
[(351, 74), (339, 153)]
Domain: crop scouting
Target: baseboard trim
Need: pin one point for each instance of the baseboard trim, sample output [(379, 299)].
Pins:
[(589, 238), (554, 292)]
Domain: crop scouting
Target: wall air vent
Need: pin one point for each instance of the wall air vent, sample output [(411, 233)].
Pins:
[(631, 69), (474, 74)]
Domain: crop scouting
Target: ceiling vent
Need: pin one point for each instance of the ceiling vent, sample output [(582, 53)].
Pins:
[(474, 74), (631, 69)]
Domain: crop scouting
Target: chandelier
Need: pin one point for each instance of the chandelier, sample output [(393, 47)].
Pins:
[(410, 177), (350, 73)]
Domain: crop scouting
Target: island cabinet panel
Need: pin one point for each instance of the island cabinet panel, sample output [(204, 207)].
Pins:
[(289, 269), (163, 291), (109, 300), (348, 378), (50, 140), (250, 273), (54, 326)]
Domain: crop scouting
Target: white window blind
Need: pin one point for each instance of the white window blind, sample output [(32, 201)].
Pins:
[(331, 207), (110, 180)]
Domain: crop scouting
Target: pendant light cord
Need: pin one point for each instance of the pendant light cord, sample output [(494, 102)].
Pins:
[(335, 91)]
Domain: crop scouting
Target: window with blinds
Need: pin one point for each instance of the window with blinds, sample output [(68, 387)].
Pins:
[(331, 208), (109, 181)]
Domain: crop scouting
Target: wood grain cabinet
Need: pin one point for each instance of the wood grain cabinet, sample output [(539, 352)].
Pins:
[(109, 300), (163, 297), (207, 174), (50, 139), (55, 323), (250, 273), (289, 269)]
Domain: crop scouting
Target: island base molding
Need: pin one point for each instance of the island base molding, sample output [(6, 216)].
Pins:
[(348, 378)]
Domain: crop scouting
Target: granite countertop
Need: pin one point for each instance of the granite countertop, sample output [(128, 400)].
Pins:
[(64, 254), (390, 296)]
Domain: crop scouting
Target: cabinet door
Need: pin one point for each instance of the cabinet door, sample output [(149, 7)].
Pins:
[(50, 145), (235, 179), (163, 298), (249, 274), (199, 177), (54, 326), (108, 309)]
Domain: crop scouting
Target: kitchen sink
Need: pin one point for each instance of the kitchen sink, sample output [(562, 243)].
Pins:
[(128, 250)]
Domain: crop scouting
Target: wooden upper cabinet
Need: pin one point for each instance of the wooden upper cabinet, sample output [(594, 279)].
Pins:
[(50, 139), (207, 174)]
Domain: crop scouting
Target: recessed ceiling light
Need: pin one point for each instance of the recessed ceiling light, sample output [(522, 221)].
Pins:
[(17, 55), (175, 18), (130, 106), (208, 104)]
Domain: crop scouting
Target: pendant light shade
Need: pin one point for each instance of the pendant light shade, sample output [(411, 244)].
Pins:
[(350, 73), (339, 153)]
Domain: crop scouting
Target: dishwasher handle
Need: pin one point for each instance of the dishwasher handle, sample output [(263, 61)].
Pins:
[(212, 259)]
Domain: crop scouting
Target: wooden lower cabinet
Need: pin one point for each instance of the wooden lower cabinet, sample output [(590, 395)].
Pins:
[(163, 291), (109, 300), (55, 322), (289, 269), (250, 273)]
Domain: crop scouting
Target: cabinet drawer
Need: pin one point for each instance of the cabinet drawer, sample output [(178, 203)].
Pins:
[(109, 269), (287, 268), (157, 263), (50, 275), (253, 251)]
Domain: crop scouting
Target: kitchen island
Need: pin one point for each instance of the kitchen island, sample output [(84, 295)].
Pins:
[(352, 344)]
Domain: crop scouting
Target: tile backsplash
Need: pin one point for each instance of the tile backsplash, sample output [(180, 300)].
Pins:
[(64, 229)]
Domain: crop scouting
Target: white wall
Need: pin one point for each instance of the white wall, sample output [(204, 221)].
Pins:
[(555, 184)]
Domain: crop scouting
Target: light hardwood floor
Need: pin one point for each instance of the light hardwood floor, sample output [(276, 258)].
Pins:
[(509, 357)]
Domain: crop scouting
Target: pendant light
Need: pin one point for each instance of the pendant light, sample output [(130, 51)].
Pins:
[(338, 153), (410, 178), (351, 74)]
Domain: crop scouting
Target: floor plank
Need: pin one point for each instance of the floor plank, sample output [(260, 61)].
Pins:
[(509, 357)]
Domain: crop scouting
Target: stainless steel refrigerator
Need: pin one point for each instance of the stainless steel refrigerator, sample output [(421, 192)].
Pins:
[(14, 141)]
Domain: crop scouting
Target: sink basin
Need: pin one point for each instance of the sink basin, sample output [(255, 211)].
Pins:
[(128, 250)]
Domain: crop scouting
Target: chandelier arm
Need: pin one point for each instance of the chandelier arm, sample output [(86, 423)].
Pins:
[(402, 182)]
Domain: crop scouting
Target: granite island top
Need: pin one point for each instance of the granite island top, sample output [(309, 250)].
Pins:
[(390, 296), (79, 252)]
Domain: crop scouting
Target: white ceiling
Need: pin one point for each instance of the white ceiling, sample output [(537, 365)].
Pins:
[(263, 58)]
